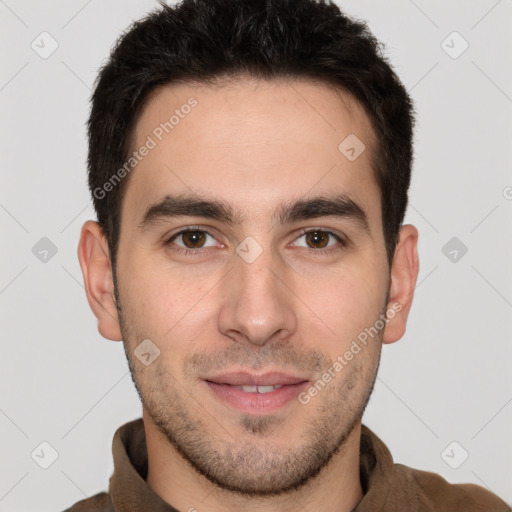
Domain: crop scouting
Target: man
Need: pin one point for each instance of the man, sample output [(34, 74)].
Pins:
[(249, 163)]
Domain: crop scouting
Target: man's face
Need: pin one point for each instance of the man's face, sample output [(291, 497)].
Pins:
[(254, 296)]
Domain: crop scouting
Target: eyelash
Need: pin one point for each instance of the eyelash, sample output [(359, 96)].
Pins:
[(319, 252)]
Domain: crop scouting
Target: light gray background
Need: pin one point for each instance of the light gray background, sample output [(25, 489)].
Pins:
[(447, 380)]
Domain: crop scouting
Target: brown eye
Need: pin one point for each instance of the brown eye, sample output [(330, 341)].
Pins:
[(318, 239), (193, 239)]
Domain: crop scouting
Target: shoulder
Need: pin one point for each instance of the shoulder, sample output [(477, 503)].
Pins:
[(99, 502), (433, 492)]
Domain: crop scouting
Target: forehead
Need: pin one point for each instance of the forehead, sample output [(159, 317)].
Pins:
[(253, 143)]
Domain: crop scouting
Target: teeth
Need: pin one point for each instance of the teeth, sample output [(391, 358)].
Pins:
[(265, 389), (258, 389)]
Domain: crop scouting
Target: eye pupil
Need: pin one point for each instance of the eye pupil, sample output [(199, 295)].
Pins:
[(318, 237), (191, 238)]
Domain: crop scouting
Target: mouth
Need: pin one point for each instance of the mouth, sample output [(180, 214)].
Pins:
[(256, 394)]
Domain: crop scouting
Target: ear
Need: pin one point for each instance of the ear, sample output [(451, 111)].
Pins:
[(94, 257), (404, 273)]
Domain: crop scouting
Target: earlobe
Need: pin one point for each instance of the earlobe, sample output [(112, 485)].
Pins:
[(94, 258), (404, 274)]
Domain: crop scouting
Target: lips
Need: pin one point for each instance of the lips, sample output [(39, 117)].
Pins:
[(256, 400), (256, 394)]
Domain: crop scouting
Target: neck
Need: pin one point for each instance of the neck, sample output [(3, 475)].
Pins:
[(337, 488)]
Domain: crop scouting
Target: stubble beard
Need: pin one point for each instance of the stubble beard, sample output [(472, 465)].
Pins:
[(250, 467)]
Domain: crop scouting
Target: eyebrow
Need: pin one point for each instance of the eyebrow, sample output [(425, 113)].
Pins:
[(190, 205)]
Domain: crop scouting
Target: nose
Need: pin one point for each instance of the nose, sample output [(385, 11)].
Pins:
[(258, 303)]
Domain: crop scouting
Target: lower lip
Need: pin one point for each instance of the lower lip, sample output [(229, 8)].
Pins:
[(257, 402)]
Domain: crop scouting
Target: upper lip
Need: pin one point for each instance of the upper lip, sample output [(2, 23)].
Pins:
[(250, 379)]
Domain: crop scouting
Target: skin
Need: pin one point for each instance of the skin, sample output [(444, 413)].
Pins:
[(255, 145)]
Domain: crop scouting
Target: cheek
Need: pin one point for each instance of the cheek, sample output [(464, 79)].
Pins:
[(170, 307), (346, 299)]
